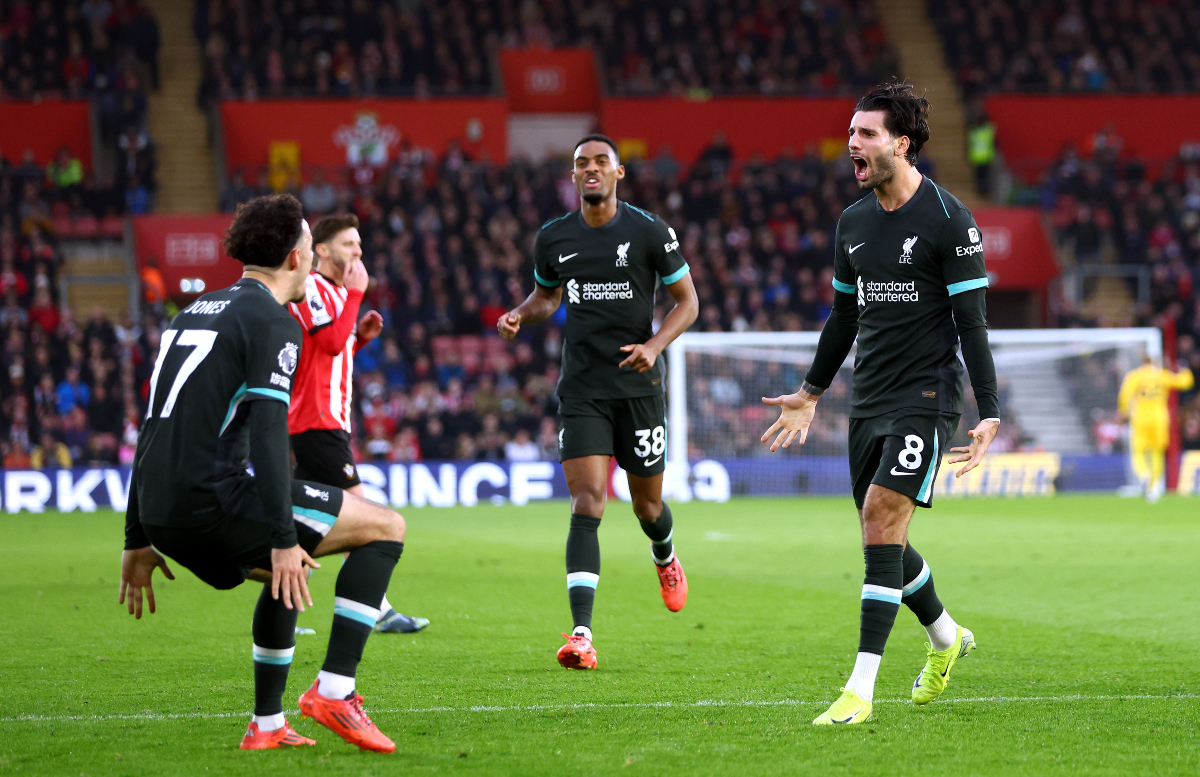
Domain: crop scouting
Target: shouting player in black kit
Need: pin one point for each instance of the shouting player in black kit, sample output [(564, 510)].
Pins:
[(610, 258), (211, 486), (910, 282)]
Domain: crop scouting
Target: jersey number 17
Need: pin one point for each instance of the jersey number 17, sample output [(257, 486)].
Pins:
[(201, 340)]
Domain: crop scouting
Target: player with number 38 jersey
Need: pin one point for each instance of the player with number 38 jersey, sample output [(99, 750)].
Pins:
[(606, 261)]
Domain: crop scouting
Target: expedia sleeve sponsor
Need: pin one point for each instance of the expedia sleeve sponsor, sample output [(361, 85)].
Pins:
[(891, 291)]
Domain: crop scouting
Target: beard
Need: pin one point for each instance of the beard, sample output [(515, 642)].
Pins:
[(885, 170), (594, 198)]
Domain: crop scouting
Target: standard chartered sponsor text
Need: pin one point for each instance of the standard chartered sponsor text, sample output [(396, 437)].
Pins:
[(891, 291), (606, 291)]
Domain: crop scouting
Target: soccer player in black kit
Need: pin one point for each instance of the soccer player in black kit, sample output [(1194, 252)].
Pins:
[(609, 257), (212, 489), (909, 283)]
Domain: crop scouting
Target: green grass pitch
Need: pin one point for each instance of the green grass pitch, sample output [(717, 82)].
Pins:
[(1085, 609)]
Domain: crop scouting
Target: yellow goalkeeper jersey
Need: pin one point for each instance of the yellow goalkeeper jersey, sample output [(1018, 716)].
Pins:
[(1145, 390)]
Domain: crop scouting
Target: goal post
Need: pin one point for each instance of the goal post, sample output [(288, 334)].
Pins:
[(1058, 397)]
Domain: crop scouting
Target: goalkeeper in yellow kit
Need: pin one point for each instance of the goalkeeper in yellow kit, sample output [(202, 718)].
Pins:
[(1143, 400)]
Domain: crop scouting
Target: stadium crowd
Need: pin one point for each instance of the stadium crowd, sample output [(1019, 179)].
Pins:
[(275, 48), (1108, 208), (1070, 46), (94, 50)]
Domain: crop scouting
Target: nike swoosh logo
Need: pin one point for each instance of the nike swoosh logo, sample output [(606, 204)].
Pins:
[(651, 463), (847, 720), (562, 258), (901, 474), (855, 248)]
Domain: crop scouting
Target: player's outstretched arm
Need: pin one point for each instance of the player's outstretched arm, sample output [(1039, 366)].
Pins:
[(137, 569), (642, 356), (837, 337), (970, 322), (537, 307)]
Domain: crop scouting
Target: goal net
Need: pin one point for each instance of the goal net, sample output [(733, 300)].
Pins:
[(1058, 405)]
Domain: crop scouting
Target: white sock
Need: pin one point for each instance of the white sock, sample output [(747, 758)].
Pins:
[(334, 686), (584, 630), (862, 679), (943, 632), (270, 722), (384, 607)]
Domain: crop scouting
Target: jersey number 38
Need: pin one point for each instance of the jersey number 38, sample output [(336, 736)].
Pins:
[(651, 441)]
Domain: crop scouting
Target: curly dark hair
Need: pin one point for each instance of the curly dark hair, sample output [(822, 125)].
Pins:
[(904, 113), (265, 230), (328, 227)]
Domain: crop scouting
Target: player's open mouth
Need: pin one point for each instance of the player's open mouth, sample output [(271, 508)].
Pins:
[(860, 167), (592, 182)]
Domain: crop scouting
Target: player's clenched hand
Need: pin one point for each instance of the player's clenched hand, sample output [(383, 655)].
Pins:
[(289, 576), (137, 569), (981, 438), (795, 415), (370, 326), (508, 325), (641, 357), (356, 276)]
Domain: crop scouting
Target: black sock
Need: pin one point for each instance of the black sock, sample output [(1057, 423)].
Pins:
[(357, 595), (274, 642), (659, 533), (919, 593), (583, 567), (880, 596)]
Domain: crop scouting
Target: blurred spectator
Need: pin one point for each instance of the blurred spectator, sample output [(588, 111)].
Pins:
[(318, 195), (50, 453), (521, 447), (71, 393), (236, 192), (65, 171)]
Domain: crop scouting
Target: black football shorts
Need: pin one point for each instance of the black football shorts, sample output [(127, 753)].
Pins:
[(633, 430), (323, 455), (901, 450), (223, 552)]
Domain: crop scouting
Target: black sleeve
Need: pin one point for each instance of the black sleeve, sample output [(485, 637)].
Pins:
[(837, 337), (135, 538), (545, 273), (970, 320), (272, 471)]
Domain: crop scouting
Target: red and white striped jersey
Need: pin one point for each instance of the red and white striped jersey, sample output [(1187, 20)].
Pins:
[(321, 394)]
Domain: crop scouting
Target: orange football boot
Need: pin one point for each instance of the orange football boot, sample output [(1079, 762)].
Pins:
[(673, 585), (578, 653), (269, 740), (346, 718)]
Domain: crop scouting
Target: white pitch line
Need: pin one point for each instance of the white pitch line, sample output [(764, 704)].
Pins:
[(627, 705)]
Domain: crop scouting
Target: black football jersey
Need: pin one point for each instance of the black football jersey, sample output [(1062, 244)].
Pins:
[(903, 266), (228, 348), (609, 276)]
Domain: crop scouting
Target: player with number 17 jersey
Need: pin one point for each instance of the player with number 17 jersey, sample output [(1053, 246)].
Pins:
[(227, 349)]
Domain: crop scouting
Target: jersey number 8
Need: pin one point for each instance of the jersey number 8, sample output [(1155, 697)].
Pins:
[(651, 442), (910, 457), (200, 339)]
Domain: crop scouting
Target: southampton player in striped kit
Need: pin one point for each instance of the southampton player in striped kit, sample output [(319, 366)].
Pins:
[(319, 419)]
